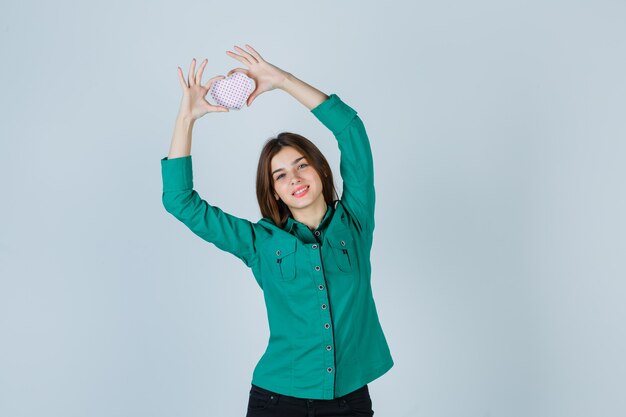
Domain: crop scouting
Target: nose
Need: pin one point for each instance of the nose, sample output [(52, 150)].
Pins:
[(295, 179)]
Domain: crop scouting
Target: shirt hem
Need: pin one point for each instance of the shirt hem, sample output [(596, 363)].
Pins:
[(370, 377)]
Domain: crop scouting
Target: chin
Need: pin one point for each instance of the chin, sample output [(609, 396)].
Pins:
[(307, 202), (300, 205)]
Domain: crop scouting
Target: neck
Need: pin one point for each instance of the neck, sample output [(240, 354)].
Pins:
[(311, 216)]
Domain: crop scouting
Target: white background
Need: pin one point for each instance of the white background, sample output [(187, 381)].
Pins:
[(498, 130)]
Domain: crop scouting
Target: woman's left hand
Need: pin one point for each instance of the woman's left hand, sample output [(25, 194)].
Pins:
[(266, 76)]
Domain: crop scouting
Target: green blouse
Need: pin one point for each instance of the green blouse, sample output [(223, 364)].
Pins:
[(325, 337)]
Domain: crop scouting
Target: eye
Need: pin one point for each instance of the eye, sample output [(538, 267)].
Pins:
[(303, 165), (279, 177)]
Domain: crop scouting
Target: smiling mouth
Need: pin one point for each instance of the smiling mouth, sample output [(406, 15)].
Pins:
[(301, 192)]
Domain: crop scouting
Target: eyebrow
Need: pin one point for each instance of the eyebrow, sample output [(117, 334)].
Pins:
[(282, 169)]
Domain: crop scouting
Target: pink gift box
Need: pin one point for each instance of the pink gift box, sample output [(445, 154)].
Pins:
[(232, 91)]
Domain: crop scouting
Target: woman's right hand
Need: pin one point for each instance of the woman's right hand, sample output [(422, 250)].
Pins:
[(194, 104)]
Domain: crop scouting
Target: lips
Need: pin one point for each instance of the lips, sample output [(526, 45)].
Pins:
[(301, 191)]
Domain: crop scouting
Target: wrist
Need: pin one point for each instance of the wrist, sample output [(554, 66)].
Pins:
[(287, 80), (185, 120)]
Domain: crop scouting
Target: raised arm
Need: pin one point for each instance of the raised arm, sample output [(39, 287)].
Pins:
[(357, 171), (192, 107), (227, 232), (268, 77), (356, 163)]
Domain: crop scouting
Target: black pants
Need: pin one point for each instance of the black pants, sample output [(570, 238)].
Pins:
[(264, 403)]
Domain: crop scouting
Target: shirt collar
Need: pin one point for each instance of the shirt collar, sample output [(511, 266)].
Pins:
[(291, 223)]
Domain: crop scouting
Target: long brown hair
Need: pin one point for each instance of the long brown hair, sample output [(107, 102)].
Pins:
[(277, 210)]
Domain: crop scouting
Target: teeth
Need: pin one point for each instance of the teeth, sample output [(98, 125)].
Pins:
[(301, 191)]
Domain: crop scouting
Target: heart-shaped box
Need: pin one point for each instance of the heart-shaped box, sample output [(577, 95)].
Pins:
[(232, 91)]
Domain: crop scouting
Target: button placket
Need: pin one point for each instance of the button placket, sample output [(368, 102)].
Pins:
[(319, 280)]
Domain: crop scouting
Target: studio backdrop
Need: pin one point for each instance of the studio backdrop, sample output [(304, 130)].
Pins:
[(498, 134)]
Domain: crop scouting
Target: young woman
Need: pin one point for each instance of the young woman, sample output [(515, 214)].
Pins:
[(310, 253)]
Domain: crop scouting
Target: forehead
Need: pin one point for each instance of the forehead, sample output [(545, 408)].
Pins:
[(285, 157)]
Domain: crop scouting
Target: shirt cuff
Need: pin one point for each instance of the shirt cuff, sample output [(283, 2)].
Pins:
[(177, 174), (334, 113)]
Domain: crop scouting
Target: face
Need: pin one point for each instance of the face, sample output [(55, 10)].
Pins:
[(296, 182)]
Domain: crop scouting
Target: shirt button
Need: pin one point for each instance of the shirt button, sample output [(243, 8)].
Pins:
[(342, 243), (277, 253), (317, 267), (321, 287), (323, 306), (327, 326), (328, 347), (317, 233), (314, 246), (329, 370)]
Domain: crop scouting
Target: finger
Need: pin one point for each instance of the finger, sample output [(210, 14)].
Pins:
[(239, 58), (218, 108), (252, 97), (254, 53), (199, 75), (212, 80), (246, 54), (192, 70), (181, 78), (242, 70)]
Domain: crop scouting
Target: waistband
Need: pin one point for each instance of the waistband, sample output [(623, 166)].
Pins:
[(356, 393)]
